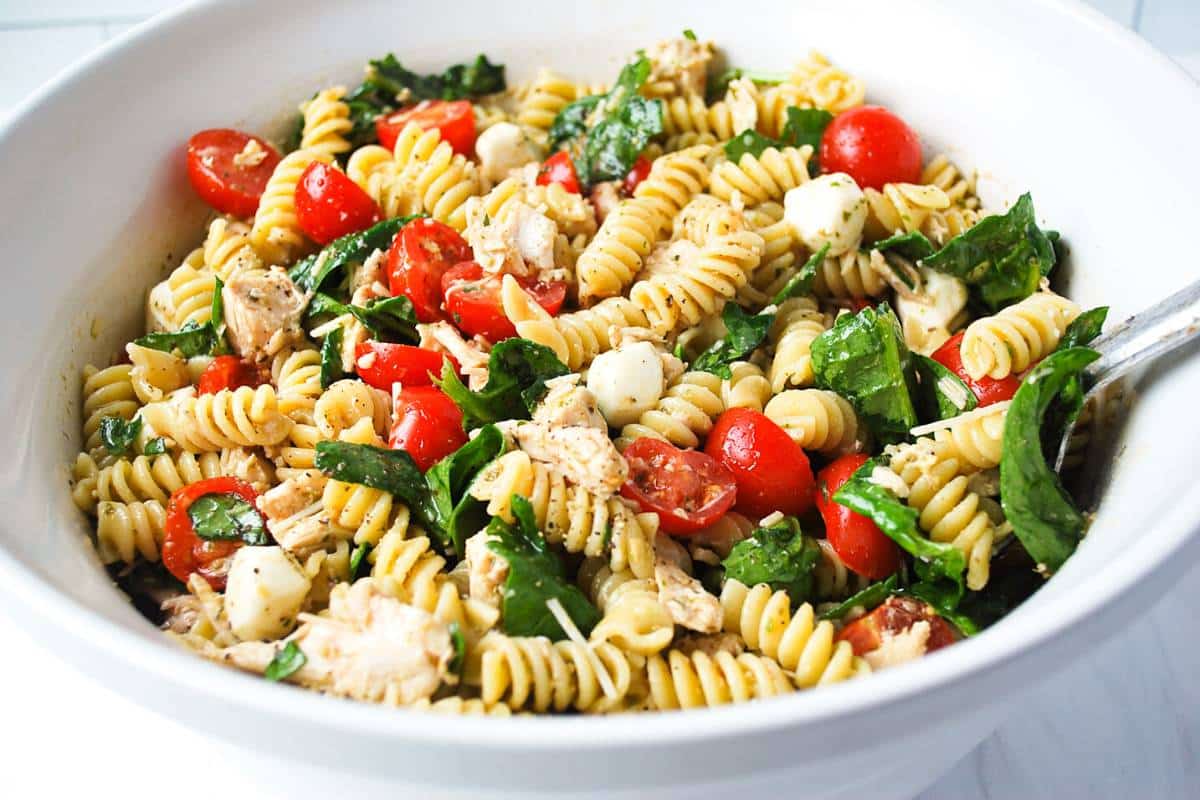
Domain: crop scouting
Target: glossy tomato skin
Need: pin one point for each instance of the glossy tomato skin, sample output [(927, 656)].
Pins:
[(230, 372), (771, 470), (454, 120), (637, 173), (419, 256), (183, 552), (428, 425), (473, 301), (559, 168), (227, 186), (895, 616), (688, 489), (873, 146), (987, 390), (330, 205), (381, 364), (857, 540)]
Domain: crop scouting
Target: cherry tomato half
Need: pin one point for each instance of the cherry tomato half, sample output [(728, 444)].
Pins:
[(856, 539), (473, 301), (895, 616), (772, 471), (227, 182), (381, 364), (637, 173), (455, 121), (559, 168), (688, 489), (230, 372), (873, 146), (330, 205), (428, 425), (987, 390), (421, 253), (183, 552)]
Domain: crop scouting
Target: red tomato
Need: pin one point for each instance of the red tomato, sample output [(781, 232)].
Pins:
[(857, 540), (688, 489), (637, 174), (559, 168), (455, 121), (421, 253), (987, 390), (224, 184), (873, 146), (428, 425), (229, 372), (381, 364), (329, 205), (895, 616), (473, 301), (183, 552), (772, 471)]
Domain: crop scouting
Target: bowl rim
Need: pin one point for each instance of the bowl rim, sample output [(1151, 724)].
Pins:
[(1000, 647)]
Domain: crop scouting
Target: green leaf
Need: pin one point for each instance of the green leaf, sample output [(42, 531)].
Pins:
[(1043, 516), (357, 558), (914, 246), (285, 663), (571, 122), (944, 597), (864, 359), (392, 471), (331, 358), (387, 318), (118, 435), (801, 283), (1083, 329), (1002, 258), (310, 273), (459, 642), (806, 126), (190, 340), (227, 517), (749, 141), (535, 575), (780, 556), (898, 521), (745, 332), (155, 447), (449, 509), (932, 399), (866, 599), (517, 373)]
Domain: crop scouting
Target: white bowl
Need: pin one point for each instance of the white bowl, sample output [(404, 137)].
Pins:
[(1048, 97)]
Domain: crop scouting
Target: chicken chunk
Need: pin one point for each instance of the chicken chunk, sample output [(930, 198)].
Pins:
[(369, 647), (369, 280), (519, 242), (262, 312), (899, 648), (567, 404), (472, 356), (682, 62), (742, 103), (292, 496), (487, 571), (685, 599), (586, 456), (249, 466)]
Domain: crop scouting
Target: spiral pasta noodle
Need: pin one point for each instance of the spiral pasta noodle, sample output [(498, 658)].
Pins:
[(155, 372), (684, 414), (772, 104), (942, 173), (746, 387), (852, 275), (768, 176), (901, 208), (797, 325), (346, 402), (832, 579), (942, 226), (463, 706), (227, 249), (540, 675), (816, 419), (107, 392), (276, 234), (828, 86), (296, 374), (409, 570), (139, 480), (242, 417), (611, 260), (796, 641), (975, 442), (326, 122), (634, 619), (547, 96), (125, 531), (690, 115), (190, 290), (678, 680), (1012, 339), (362, 509)]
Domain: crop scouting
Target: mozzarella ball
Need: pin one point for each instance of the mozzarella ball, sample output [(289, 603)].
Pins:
[(265, 591), (503, 147), (928, 316), (829, 209), (627, 382)]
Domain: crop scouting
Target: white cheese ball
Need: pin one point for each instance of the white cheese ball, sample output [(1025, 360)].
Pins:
[(829, 209), (928, 316), (265, 591), (503, 147), (627, 382)]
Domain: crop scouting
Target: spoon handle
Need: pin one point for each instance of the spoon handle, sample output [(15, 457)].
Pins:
[(1145, 336)]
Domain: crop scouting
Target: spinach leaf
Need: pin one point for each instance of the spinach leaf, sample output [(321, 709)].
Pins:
[(745, 333), (806, 126), (689, 34), (387, 318), (155, 447), (571, 122), (864, 359), (193, 339), (535, 575), (449, 509), (1043, 516), (459, 642), (285, 663), (357, 558), (331, 358), (1086, 327), (866, 599), (748, 141), (944, 597), (1002, 258), (801, 283), (914, 246), (780, 556), (310, 273), (899, 522), (227, 517), (517, 373), (940, 393), (118, 435), (377, 467)]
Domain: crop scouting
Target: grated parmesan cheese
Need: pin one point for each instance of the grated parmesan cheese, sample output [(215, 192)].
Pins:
[(924, 430), (882, 476), (575, 635), (955, 391)]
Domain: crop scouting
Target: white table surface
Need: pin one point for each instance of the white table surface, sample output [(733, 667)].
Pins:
[(1122, 723)]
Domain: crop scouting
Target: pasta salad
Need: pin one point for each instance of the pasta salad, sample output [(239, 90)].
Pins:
[(701, 386)]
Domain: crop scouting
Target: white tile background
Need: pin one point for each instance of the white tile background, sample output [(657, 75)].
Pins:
[(1125, 723)]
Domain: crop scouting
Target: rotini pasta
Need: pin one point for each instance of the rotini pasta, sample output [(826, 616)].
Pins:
[(1011, 340), (681, 681), (758, 179), (797, 324), (816, 419), (684, 414), (326, 122), (276, 234), (243, 417)]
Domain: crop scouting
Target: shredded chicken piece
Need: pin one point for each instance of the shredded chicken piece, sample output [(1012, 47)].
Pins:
[(568, 404), (686, 600), (669, 257), (370, 280), (586, 456), (486, 571), (683, 62), (899, 648), (262, 312), (472, 356), (249, 466), (742, 105), (520, 242)]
